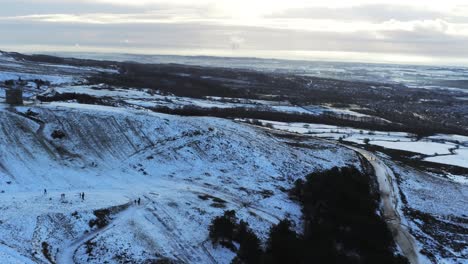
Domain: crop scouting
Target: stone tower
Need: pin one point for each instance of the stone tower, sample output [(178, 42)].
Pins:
[(14, 96)]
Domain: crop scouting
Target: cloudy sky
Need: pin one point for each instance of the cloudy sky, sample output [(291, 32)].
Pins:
[(402, 31)]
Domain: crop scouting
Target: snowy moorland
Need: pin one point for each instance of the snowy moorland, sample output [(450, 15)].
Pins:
[(185, 170)]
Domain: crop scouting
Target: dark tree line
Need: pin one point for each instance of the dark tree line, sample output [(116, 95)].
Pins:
[(226, 229), (80, 98), (157, 77), (341, 226), (245, 112)]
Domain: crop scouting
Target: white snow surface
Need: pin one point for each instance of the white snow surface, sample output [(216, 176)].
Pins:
[(53, 79), (147, 99), (442, 145), (459, 159), (423, 147), (180, 167), (443, 197)]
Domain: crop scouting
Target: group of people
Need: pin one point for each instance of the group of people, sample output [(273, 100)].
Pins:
[(138, 202), (82, 195)]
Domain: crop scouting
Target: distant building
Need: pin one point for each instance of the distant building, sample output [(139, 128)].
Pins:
[(14, 92), (14, 96)]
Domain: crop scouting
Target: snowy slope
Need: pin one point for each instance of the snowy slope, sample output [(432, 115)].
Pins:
[(185, 170), (437, 209)]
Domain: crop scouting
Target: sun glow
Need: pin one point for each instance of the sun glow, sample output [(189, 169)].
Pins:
[(417, 29)]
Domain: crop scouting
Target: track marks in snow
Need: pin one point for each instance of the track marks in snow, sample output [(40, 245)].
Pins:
[(180, 246), (66, 256)]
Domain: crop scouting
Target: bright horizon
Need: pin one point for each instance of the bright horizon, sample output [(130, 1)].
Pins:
[(382, 31)]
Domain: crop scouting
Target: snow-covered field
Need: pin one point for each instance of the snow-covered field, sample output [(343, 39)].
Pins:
[(185, 170), (56, 75), (148, 99), (53, 79), (460, 158), (444, 149)]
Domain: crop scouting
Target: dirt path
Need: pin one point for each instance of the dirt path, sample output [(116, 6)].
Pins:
[(390, 199), (391, 215), (66, 256)]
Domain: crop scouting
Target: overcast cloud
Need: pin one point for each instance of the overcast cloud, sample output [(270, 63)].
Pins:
[(397, 31)]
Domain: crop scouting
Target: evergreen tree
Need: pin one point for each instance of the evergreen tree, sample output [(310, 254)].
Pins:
[(250, 251), (283, 245), (222, 227)]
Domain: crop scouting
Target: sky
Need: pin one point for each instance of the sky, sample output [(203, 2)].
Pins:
[(388, 31)]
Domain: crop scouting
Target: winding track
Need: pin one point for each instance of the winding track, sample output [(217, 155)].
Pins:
[(186, 249), (391, 214), (390, 198), (67, 255)]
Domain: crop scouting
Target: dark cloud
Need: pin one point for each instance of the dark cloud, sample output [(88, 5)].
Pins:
[(12, 8), (29, 7), (417, 37), (136, 35), (199, 36)]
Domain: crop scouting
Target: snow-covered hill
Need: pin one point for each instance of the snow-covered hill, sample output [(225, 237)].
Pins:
[(185, 170)]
